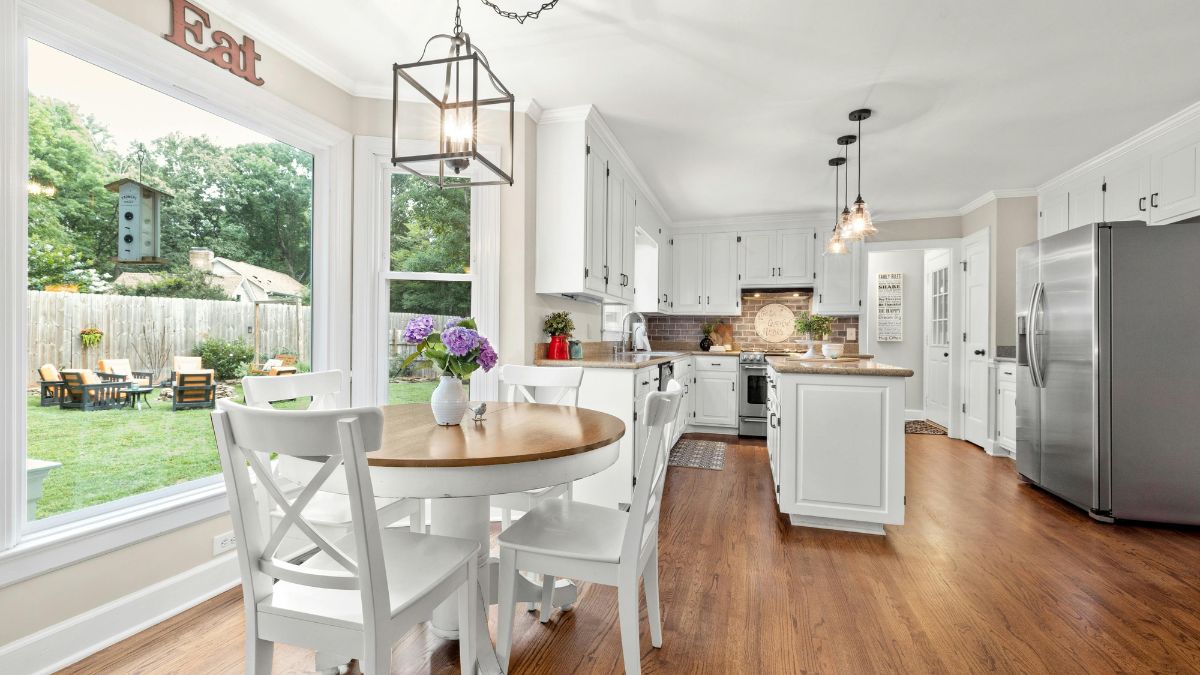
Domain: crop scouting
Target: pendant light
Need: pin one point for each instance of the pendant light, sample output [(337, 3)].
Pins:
[(459, 86), (835, 245), (844, 220), (860, 226)]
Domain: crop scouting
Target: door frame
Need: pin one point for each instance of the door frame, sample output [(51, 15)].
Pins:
[(984, 235), (957, 363)]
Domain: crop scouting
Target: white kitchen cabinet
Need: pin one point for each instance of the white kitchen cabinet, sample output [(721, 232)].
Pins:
[(705, 274), (620, 392), (777, 257), (586, 212), (716, 398), (666, 281), (1085, 202), (1006, 406), (1053, 208), (839, 288), (774, 430), (1175, 179), (683, 375), (1126, 191)]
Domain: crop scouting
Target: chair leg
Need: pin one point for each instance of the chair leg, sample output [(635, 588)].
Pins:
[(259, 654), (378, 660), (627, 612), (547, 598), (416, 522), (468, 616), (507, 600), (653, 613)]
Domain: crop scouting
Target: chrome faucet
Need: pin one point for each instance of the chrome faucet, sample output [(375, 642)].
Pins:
[(628, 334)]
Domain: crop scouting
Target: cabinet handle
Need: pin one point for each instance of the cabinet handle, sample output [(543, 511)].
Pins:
[(664, 298), (1141, 203), (1154, 201), (733, 386), (606, 275), (699, 300), (771, 420)]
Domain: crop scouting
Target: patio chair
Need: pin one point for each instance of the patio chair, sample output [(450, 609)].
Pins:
[(86, 391), (186, 364), (50, 383), (193, 390), (122, 369)]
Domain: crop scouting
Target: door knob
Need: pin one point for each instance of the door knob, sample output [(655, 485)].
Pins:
[(945, 353), (978, 352)]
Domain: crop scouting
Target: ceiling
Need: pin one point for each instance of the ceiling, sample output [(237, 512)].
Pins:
[(731, 109)]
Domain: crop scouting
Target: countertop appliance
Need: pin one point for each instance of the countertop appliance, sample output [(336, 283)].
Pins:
[(752, 406), (1107, 381)]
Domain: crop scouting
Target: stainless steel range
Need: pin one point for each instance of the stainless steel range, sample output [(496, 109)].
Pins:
[(752, 406)]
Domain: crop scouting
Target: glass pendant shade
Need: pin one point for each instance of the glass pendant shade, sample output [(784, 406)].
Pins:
[(835, 245), (860, 220), (461, 94)]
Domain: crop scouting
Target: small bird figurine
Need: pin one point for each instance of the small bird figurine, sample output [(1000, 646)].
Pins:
[(478, 410)]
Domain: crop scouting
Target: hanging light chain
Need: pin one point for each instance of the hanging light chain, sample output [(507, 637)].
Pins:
[(520, 18)]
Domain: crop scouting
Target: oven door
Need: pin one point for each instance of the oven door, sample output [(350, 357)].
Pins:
[(753, 402)]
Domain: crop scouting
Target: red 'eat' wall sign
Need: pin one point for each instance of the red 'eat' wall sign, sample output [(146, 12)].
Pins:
[(219, 48)]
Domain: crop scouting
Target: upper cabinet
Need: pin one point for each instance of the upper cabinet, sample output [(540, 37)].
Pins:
[(705, 274), (839, 287), (777, 257), (1156, 180), (588, 207)]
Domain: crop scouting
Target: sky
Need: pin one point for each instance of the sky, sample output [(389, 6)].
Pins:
[(131, 112)]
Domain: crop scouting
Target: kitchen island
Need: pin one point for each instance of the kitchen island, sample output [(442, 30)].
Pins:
[(836, 442)]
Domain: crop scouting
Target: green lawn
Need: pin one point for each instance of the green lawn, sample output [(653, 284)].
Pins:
[(110, 454)]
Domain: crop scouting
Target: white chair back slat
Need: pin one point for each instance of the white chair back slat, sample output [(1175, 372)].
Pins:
[(550, 384), (661, 408), (324, 388), (246, 436)]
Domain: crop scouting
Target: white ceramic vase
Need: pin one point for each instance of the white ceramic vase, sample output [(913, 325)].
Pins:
[(449, 401), (812, 347)]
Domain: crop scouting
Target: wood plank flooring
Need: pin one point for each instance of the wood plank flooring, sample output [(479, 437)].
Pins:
[(987, 575)]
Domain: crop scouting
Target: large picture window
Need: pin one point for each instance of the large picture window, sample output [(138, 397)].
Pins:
[(130, 340)]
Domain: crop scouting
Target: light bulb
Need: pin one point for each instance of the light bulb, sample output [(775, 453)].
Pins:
[(836, 245), (457, 138)]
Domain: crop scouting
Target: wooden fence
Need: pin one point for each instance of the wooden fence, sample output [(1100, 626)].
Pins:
[(149, 331)]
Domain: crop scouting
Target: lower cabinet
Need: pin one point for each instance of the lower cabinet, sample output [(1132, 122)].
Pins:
[(621, 393), (1006, 407), (716, 396)]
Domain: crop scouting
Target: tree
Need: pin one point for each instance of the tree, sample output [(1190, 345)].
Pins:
[(190, 284), (431, 232), (267, 194)]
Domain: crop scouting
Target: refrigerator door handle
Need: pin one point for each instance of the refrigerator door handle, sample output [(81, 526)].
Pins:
[(1035, 330)]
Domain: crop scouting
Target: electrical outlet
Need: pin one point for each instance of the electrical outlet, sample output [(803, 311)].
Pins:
[(851, 335), (224, 542)]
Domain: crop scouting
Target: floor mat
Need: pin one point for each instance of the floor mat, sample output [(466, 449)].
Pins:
[(924, 427), (698, 454)]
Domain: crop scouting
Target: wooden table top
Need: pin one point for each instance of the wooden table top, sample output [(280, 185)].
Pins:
[(510, 433)]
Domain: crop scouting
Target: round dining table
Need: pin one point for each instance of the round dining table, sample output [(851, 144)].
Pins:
[(515, 447)]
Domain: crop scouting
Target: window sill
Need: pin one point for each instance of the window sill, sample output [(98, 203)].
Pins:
[(53, 548)]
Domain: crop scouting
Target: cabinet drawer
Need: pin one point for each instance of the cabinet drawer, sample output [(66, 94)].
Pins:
[(1006, 372), (727, 364), (645, 381)]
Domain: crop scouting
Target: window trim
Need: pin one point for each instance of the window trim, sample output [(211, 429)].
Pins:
[(372, 269), (92, 34)]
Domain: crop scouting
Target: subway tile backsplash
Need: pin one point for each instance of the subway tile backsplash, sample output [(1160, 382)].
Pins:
[(684, 328)]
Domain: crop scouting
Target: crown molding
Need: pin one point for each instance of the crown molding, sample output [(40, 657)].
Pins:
[(992, 195), (915, 215), (750, 222), (531, 108), (575, 113), (1128, 146)]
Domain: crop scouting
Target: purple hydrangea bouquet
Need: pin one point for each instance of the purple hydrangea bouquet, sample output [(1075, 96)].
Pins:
[(457, 351)]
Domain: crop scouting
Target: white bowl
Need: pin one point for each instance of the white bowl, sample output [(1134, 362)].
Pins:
[(832, 350)]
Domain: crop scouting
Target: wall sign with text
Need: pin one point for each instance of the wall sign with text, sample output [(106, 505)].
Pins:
[(217, 47), (889, 307)]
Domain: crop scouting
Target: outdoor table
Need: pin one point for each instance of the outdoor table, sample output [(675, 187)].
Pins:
[(137, 395)]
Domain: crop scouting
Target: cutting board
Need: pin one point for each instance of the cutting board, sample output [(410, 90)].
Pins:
[(723, 334)]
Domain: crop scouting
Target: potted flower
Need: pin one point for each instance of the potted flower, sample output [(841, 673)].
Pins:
[(558, 326), (90, 337), (706, 342), (815, 328), (457, 351)]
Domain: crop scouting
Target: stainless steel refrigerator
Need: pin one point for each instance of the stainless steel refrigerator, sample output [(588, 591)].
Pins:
[(1108, 381)]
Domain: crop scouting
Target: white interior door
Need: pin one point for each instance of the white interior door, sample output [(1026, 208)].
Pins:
[(937, 337), (976, 252)]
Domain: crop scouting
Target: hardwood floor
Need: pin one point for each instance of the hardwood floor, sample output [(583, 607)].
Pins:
[(987, 574)]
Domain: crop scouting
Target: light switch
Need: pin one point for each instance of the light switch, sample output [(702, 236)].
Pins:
[(851, 335)]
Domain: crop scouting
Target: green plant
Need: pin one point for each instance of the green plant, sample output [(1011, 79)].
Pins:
[(227, 358), (814, 325), (708, 328), (558, 323), (195, 285), (90, 337)]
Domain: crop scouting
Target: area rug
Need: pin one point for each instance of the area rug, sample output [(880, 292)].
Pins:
[(697, 454), (924, 427)]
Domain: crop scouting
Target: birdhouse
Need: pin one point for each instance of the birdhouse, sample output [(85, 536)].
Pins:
[(139, 210)]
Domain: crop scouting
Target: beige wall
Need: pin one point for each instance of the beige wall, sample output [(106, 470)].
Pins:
[(1016, 225), (949, 227)]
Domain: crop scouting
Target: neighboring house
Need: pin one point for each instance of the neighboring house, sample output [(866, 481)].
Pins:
[(241, 281)]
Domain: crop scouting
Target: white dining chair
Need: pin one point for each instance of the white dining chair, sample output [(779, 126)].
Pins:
[(329, 512), (359, 594), (552, 385), (602, 545)]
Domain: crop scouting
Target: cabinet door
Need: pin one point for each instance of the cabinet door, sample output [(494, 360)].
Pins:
[(721, 295), (838, 284), (1175, 182), (688, 275), (1006, 415), (616, 231), (1126, 192), (665, 280), (716, 398), (596, 241), (794, 256), (758, 257), (1085, 202), (627, 236), (1053, 207)]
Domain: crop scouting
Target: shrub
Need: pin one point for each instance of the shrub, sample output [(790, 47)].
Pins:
[(192, 284), (228, 358)]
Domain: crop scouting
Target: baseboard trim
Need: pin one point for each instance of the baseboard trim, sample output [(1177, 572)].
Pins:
[(81, 636), (703, 429), (914, 415)]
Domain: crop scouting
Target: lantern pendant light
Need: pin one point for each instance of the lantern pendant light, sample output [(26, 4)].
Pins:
[(847, 233), (860, 225), (459, 86), (835, 244)]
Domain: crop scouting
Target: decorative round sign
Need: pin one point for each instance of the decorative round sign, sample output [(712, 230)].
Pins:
[(775, 323)]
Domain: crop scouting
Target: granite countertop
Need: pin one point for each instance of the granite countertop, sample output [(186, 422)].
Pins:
[(627, 361), (787, 366)]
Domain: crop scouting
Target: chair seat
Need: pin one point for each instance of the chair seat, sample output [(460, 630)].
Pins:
[(569, 529), (415, 564), (330, 508), (525, 501)]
